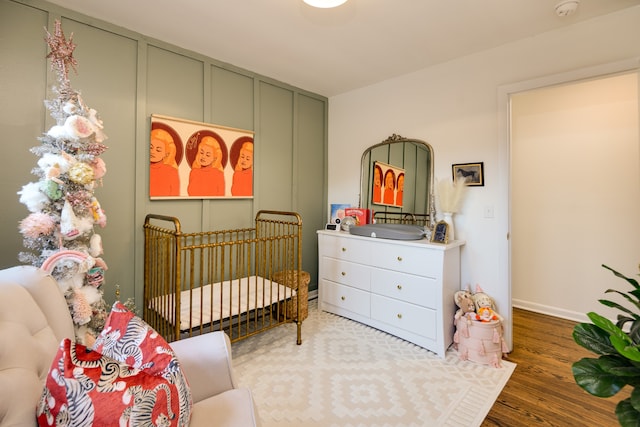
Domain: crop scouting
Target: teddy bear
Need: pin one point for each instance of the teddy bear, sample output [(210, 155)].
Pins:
[(465, 303), (466, 312)]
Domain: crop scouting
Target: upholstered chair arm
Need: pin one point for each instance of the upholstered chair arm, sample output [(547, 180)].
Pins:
[(206, 362)]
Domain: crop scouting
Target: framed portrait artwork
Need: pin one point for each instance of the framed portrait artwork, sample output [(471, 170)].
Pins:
[(387, 186), (189, 159), (473, 173)]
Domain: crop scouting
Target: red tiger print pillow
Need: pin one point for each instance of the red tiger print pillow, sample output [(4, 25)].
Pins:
[(86, 388), (129, 339)]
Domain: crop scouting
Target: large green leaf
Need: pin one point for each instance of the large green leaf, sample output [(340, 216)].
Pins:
[(592, 377), (625, 347), (608, 326), (593, 339), (627, 415)]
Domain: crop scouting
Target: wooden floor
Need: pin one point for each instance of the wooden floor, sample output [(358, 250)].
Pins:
[(542, 391)]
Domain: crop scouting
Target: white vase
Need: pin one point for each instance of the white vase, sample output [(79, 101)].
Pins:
[(448, 218)]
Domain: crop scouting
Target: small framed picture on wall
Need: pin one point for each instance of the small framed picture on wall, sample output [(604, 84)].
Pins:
[(472, 173)]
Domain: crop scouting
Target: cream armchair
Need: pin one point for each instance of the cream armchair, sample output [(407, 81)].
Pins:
[(34, 319)]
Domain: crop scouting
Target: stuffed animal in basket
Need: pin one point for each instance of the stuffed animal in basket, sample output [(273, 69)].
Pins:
[(466, 305), (465, 314), (485, 307)]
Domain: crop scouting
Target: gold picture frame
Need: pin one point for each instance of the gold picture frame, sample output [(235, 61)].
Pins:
[(472, 173), (440, 233)]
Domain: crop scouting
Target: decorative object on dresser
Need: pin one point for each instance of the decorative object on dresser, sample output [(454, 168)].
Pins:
[(449, 198), (405, 288)]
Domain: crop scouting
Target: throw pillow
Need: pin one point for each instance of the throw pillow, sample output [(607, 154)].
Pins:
[(129, 339), (86, 388)]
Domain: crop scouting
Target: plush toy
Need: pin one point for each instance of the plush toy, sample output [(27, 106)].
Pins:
[(466, 305), (485, 314), (485, 306), (465, 314)]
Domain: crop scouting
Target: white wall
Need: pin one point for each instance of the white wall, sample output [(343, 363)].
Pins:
[(455, 107)]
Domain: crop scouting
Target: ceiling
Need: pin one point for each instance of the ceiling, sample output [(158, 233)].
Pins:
[(332, 51)]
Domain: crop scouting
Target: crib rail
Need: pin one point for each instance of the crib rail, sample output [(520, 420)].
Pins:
[(401, 218), (222, 280)]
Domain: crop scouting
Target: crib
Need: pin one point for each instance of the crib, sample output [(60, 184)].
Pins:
[(241, 281)]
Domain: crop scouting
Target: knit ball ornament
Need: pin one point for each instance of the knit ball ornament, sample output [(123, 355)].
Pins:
[(37, 224), (81, 173), (78, 127)]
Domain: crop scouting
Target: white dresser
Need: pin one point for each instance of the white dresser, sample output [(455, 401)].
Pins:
[(402, 287)]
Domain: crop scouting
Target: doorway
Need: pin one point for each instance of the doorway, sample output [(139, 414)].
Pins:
[(574, 194)]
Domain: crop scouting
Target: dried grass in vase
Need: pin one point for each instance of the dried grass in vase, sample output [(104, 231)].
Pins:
[(450, 195)]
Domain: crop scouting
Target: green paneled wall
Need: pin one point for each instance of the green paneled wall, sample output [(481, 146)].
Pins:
[(127, 77)]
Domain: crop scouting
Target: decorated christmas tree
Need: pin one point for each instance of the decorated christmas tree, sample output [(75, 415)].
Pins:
[(58, 234)]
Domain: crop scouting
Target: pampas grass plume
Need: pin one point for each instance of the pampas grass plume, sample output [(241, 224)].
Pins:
[(450, 194)]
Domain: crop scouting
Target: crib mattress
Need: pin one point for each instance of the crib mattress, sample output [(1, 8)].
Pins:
[(219, 301)]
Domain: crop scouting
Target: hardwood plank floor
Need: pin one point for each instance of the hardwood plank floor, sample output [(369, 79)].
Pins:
[(542, 391)]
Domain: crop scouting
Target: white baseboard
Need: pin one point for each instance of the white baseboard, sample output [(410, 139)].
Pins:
[(551, 311), (313, 294)]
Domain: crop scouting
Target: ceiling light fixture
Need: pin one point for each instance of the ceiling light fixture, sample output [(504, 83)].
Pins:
[(325, 4), (567, 7)]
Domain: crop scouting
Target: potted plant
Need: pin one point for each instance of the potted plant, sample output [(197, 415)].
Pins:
[(618, 348)]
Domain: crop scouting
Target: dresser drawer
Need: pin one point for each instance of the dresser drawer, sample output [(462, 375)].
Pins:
[(422, 291), (346, 297), (347, 273), (409, 317), (408, 259), (346, 248)]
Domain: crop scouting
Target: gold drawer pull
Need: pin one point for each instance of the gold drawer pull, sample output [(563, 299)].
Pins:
[(400, 258), (399, 287), (344, 249), (343, 298), (344, 273), (399, 315)]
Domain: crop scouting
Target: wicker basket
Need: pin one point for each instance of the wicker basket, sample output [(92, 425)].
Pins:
[(301, 284)]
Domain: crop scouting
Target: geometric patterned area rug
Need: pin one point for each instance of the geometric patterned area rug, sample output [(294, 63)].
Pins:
[(348, 374)]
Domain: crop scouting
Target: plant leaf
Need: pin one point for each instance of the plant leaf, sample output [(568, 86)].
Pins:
[(589, 375), (633, 282), (627, 415), (623, 347), (608, 326), (634, 399), (593, 339), (613, 304)]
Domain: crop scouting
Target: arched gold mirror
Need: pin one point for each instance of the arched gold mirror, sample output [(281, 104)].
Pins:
[(396, 181)]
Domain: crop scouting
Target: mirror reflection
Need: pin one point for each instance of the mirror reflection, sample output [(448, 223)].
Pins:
[(396, 181)]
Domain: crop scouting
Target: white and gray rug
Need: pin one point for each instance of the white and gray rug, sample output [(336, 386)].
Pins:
[(347, 374)]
